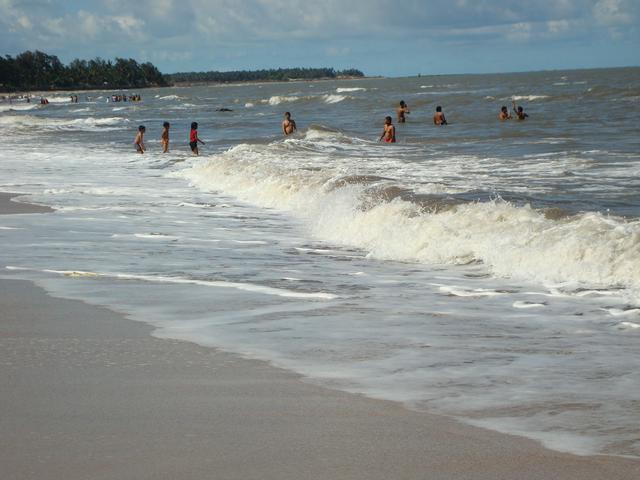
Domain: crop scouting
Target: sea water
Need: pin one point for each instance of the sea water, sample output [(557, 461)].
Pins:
[(485, 270)]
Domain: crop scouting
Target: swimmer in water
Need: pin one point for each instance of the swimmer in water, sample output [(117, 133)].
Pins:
[(438, 118), (389, 132), (164, 138), (519, 112), (193, 138), (139, 141), (401, 111), (504, 114), (288, 124)]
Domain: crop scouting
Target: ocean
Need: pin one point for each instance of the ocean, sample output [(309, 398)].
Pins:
[(484, 270)]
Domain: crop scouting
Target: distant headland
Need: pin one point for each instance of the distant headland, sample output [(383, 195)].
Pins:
[(266, 75), (37, 70)]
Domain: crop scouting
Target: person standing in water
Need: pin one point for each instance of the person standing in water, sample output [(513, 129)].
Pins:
[(389, 131), (288, 124), (519, 112), (164, 138), (139, 141), (193, 138), (438, 118), (504, 114), (401, 111)]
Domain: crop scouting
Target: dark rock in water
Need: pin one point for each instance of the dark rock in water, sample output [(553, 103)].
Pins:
[(223, 109)]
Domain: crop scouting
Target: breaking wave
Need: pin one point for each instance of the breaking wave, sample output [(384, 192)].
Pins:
[(89, 123), (327, 98), (376, 214), (350, 89)]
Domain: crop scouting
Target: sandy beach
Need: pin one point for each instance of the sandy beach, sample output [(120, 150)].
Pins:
[(89, 394)]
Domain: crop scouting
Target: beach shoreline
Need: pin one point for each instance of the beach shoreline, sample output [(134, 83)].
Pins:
[(92, 394), (10, 206)]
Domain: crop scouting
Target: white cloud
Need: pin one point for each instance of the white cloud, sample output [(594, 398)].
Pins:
[(24, 22), (227, 29), (558, 26), (520, 32), (612, 12)]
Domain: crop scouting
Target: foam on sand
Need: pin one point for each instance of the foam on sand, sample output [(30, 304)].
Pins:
[(248, 287)]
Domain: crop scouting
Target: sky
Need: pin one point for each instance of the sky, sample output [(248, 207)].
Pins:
[(379, 37)]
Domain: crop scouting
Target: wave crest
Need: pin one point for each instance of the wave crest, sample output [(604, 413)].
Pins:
[(588, 249)]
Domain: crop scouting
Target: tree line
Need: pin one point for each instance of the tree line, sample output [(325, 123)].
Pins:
[(40, 71), (280, 74)]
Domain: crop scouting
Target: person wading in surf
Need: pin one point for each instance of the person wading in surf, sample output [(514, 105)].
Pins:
[(504, 114), (519, 112), (401, 111), (389, 132), (288, 124), (164, 138), (193, 138), (139, 141), (438, 118)]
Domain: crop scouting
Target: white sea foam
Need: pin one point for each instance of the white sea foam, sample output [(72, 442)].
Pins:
[(350, 89), (327, 98), (279, 99), (59, 99), (88, 123), (17, 107), (528, 98), (628, 326), (334, 98), (249, 287), (521, 304), (155, 236), (589, 249)]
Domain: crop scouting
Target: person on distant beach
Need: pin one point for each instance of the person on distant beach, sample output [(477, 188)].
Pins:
[(193, 138), (438, 118), (519, 111), (288, 124), (139, 141), (402, 109), (164, 138), (504, 114), (389, 131)]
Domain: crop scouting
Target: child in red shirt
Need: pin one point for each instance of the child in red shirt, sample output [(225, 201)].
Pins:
[(193, 138)]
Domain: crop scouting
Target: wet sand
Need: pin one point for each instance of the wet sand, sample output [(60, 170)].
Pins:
[(89, 394), (9, 206)]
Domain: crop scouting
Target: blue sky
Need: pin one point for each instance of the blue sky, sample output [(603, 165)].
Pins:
[(405, 37)]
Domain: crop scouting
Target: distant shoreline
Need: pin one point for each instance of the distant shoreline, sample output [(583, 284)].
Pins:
[(15, 93), (258, 82), (40, 93)]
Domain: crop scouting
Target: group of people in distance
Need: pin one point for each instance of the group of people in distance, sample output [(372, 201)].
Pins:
[(518, 111), (164, 138), (123, 98), (389, 131), (289, 126)]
